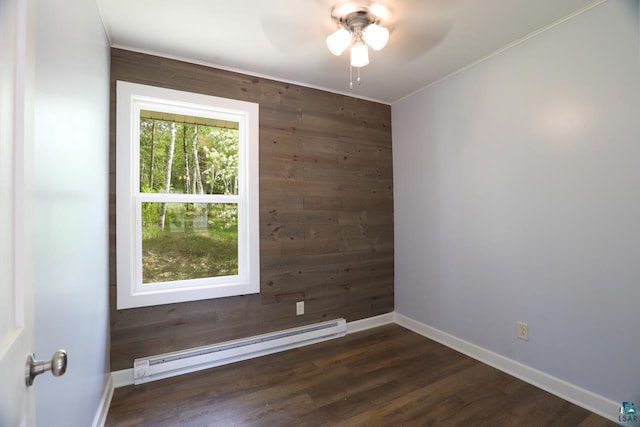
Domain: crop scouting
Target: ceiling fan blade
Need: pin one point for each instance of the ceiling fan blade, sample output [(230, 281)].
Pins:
[(409, 43), (292, 26), (417, 26), (286, 36)]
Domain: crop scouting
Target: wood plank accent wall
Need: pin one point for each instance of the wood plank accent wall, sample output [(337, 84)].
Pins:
[(326, 213)]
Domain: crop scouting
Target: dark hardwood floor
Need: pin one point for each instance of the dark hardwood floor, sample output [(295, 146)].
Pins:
[(387, 376)]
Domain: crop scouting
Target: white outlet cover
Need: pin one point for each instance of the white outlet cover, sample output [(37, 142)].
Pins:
[(522, 331)]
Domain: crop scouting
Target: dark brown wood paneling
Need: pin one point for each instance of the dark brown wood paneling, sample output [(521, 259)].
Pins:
[(326, 213)]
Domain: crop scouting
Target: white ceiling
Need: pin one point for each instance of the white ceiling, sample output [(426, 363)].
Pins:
[(285, 39)]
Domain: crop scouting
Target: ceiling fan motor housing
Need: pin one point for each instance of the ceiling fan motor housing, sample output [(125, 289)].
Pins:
[(355, 17)]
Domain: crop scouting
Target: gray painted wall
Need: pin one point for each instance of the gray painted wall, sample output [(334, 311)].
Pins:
[(71, 191), (517, 197)]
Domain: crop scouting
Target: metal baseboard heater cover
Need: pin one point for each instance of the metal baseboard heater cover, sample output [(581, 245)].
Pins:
[(182, 362)]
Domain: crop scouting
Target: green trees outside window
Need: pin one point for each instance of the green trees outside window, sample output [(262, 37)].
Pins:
[(188, 240)]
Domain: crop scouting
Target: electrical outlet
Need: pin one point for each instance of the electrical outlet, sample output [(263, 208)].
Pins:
[(523, 331), (299, 308)]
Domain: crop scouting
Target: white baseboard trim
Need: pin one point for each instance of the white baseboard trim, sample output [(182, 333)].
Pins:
[(101, 414), (593, 402), (122, 378), (370, 322)]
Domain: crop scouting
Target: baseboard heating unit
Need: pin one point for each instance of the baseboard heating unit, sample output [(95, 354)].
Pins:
[(181, 362)]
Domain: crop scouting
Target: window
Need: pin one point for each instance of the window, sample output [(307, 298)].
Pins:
[(186, 196)]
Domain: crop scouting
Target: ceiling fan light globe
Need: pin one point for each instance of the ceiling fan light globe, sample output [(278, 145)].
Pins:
[(338, 41), (376, 36), (359, 55)]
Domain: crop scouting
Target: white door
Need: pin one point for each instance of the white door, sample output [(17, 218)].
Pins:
[(16, 295)]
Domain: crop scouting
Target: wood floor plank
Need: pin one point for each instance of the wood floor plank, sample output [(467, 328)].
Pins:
[(387, 376)]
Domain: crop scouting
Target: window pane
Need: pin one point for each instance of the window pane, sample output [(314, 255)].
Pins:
[(192, 156), (182, 241)]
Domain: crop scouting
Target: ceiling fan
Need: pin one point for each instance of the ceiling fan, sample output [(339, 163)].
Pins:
[(410, 27), (359, 27)]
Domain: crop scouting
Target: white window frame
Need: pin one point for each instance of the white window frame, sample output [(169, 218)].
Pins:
[(131, 292)]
